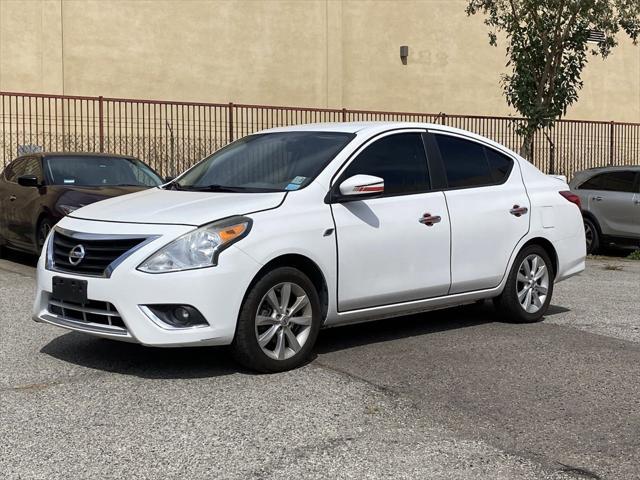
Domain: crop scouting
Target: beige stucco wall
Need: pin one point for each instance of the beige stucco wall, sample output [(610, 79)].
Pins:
[(288, 52)]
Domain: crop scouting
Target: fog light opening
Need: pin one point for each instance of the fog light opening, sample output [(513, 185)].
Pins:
[(178, 316)]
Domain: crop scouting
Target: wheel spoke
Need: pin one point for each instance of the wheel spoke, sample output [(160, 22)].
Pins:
[(522, 293), (280, 346), (540, 273), (534, 264), (541, 290), (527, 300), (536, 299), (272, 298), (285, 295), (522, 278), (304, 320), (293, 341), (266, 337), (527, 268), (298, 305), (264, 320)]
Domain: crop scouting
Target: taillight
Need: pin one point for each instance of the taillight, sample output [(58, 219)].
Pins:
[(572, 197)]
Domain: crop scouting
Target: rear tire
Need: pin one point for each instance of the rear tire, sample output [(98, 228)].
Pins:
[(592, 235), (529, 288), (278, 322)]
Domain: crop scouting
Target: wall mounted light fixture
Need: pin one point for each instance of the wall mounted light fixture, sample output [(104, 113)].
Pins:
[(404, 54)]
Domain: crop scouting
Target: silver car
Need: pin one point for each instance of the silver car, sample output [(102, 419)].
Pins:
[(610, 199)]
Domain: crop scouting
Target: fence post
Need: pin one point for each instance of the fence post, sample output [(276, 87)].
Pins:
[(344, 114), (230, 122), (611, 131), (100, 123)]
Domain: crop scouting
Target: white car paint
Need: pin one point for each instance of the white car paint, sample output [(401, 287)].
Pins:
[(377, 260)]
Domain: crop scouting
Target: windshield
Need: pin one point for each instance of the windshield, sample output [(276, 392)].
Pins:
[(266, 162), (94, 171)]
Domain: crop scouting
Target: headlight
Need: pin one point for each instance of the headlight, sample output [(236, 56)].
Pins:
[(67, 209), (197, 249)]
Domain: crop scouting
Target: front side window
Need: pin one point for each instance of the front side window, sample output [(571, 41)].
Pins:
[(465, 162), (400, 160), (274, 162), (96, 171), (621, 181), (24, 166)]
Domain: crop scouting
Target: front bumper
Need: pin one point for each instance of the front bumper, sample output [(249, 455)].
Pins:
[(217, 292)]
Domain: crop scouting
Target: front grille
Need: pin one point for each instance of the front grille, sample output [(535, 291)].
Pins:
[(98, 253), (92, 312)]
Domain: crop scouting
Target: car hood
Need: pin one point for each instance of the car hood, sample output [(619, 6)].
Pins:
[(178, 207), (77, 196)]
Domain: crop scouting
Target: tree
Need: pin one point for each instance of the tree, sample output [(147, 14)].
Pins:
[(548, 49)]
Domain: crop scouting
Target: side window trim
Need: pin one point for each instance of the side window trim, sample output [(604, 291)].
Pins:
[(432, 132), (338, 177)]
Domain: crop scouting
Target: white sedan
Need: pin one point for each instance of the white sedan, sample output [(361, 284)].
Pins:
[(293, 229)]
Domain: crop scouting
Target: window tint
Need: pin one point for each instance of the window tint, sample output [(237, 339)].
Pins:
[(9, 173), (24, 166), (267, 162), (499, 164), (464, 162), (621, 181), (398, 159)]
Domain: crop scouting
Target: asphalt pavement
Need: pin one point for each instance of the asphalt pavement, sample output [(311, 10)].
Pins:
[(453, 394)]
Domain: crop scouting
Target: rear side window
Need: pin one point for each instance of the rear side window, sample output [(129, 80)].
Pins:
[(621, 181), (499, 164), (399, 160), (465, 162)]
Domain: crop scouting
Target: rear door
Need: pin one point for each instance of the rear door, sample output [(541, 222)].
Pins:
[(386, 254), (610, 197), (488, 208)]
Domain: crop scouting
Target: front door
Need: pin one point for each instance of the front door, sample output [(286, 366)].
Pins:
[(386, 254)]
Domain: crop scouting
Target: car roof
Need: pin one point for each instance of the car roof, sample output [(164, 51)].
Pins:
[(75, 154), (352, 127), (373, 128), (612, 168)]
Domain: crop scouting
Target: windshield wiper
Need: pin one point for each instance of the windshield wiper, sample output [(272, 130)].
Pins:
[(211, 188)]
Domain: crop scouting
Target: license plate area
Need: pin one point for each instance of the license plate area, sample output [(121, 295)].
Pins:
[(70, 290)]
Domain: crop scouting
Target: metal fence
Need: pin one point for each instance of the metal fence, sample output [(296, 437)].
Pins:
[(172, 136)]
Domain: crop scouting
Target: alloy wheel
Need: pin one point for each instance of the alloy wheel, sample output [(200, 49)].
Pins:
[(43, 231), (588, 234), (283, 321), (532, 283)]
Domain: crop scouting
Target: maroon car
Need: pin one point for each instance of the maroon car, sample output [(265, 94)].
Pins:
[(37, 190)]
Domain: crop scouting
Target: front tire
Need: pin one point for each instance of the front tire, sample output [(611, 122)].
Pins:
[(278, 322), (529, 288), (42, 231)]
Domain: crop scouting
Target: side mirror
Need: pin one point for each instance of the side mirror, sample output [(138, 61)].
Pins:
[(28, 181), (361, 186)]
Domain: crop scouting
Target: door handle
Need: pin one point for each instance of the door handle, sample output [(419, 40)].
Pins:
[(598, 198), (518, 211), (12, 198), (428, 219)]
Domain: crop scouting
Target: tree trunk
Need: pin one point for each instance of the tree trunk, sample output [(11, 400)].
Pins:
[(526, 149)]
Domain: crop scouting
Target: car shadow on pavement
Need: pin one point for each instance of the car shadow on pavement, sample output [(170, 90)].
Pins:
[(140, 361), (349, 336), (203, 362), (22, 258)]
